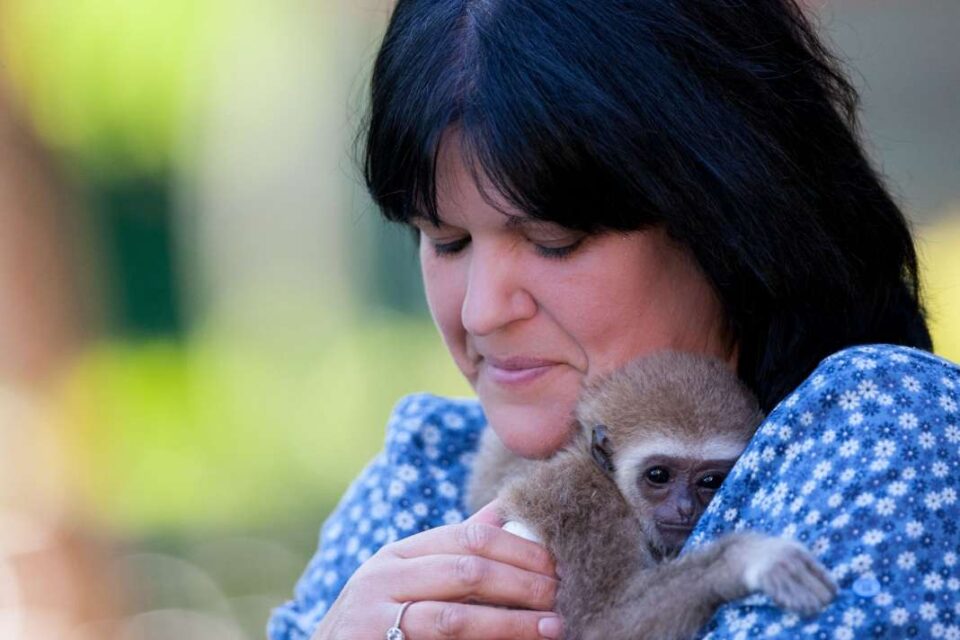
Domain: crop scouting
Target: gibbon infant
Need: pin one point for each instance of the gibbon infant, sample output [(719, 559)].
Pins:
[(655, 441)]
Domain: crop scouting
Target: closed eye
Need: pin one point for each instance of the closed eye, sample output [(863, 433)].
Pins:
[(558, 253), (450, 248)]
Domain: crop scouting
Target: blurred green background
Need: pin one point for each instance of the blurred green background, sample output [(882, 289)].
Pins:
[(204, 322)]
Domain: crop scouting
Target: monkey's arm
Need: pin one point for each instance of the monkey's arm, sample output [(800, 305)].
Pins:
[(579, 514), (673, 600)]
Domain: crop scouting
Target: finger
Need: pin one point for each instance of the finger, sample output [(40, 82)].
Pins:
[(822, 575), (443, 620), (803, 583), (802, 600), (480, 539), (800, 586), (821, 583), (472, 578), (487, 515), (815, 589)]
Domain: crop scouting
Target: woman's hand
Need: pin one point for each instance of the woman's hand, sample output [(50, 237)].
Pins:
[(466, 581)]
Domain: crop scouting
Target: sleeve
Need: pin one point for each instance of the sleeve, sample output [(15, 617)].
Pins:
[(860, 465), (415, 484)]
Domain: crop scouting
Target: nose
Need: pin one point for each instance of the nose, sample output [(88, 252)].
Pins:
[(496, 293), (684, 507)]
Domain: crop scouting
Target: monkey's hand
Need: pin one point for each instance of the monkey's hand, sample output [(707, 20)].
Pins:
[(786, 572)]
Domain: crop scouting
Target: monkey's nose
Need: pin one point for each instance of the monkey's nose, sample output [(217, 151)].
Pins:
[(685, 509)]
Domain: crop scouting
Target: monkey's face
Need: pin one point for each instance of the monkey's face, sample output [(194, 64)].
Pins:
[(669, 481), (671, 493)]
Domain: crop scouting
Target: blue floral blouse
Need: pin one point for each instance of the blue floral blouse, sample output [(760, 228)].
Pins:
[(860, 463)]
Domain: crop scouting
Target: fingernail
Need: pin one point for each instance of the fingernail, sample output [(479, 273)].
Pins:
[(550, 627)]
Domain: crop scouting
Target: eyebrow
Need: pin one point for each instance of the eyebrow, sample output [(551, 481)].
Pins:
[(518, 222), (513, 221)]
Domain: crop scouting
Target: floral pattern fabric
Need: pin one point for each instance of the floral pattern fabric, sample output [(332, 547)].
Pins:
[(860, 463), (415, 484)]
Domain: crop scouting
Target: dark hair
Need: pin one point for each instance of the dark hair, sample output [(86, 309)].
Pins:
[(726, 122)]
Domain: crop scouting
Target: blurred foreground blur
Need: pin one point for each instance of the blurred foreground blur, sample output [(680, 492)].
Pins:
[(204, 324)]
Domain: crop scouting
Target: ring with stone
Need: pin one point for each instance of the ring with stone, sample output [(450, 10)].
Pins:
[(394, 632)]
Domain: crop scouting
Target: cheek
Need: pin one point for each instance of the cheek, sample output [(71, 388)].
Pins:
[(444, 290), (642, 493), (596, 306), (703, 499), (636, 296), (441, 286)]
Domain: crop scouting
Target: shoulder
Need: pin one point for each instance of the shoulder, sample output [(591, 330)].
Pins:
[(439, 430), (418, 409), (856, 465), (878, 379), (420, 478), (865, 361), (415, 484)]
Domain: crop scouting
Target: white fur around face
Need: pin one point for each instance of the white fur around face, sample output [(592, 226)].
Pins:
[(518, 528), (707, 450)]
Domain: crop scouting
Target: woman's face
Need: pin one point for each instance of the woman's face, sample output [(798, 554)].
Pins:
[(529, 310)]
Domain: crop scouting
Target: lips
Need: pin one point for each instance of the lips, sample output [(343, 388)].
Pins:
[(516, 363), (515, 370)]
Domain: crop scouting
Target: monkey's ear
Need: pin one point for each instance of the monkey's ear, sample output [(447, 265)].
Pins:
[(601, 448)]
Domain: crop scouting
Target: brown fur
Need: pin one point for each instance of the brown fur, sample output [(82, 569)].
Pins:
[(494, 466), (677, 395), (614, 584), (582, 507)]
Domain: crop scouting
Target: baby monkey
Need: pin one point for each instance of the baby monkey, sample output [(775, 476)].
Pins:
[(655, 441)]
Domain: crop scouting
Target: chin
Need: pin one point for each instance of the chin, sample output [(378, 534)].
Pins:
[(518, 430), (662, 550), (668, 542), (662, 547), (669, 549)]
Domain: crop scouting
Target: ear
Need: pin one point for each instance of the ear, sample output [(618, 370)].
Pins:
[(601, 448)]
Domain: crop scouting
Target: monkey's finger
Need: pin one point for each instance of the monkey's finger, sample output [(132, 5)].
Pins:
[(443, 620), (780, 587), (473, 578), (802, 599), (822, 575), (477, 538), (796, 588), (809, 574), (817, 593), (818, 581), (793, 597)]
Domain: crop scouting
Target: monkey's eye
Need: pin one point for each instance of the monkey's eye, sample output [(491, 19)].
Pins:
[(711, 481), (658, 475)]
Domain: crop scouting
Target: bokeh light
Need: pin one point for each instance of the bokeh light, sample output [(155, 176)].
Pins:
[(204, 322)]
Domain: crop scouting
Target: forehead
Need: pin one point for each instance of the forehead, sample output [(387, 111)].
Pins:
[(721, 448), (680, 454), (464, 190)]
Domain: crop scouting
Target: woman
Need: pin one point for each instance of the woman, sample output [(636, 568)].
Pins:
[(595, 180)]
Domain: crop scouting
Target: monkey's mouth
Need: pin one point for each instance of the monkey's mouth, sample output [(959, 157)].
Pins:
[(674, 534)]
